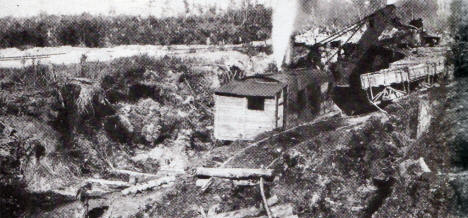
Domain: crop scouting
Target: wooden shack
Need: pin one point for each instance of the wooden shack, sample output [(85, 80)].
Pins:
[(257, 104)]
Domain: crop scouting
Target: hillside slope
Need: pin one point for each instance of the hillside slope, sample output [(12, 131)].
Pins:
[(367, 166)]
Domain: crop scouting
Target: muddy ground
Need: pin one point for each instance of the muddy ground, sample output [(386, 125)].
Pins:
[(154, 116), (366, 166)]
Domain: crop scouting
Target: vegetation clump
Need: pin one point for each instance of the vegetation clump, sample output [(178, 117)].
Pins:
[(232, 27)]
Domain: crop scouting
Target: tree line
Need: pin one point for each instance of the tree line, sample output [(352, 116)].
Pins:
[(250, 23), (235, 26)]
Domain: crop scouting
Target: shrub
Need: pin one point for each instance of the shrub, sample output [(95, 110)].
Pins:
[(459, 31), (34, 76), (461, 153)]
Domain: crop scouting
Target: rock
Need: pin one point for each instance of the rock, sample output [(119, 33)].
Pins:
[(6, 84), (119, 128), (140, 123), (410, 168), (144, 90), (125, 122), (151, 132), (201, 182), (215, 209), (423, 165), (5, 130), (424, 117), (293, 158)]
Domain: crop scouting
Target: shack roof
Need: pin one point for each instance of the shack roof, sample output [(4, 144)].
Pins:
[(256, 86)]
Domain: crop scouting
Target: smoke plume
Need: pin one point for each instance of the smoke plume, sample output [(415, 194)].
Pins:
[(395, 2), (287, 17)]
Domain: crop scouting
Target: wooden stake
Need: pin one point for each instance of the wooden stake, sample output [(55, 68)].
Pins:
[(265, 203), (202, 211)]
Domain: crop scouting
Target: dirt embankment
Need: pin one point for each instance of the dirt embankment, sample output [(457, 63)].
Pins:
[(150, 116), (144, 115), (366, 166)]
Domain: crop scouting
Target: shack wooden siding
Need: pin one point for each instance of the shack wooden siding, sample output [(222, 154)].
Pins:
[(234, 121), (228, 111), (281, 103)]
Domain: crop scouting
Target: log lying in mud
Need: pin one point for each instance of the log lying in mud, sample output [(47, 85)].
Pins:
[(244, 182), (247, 212), (109, 183), (135, 177), (148, 185), (133, 173), (233, 173), (147, 175), (203, 182)]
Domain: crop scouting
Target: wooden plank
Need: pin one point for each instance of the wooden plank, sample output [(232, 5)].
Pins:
[(148, 185), (236, 173), (276, 110), (109, 183), (147, 175), (243, 182)]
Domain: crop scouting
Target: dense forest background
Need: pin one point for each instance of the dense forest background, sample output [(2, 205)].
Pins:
[(252, 22), (458, 25)]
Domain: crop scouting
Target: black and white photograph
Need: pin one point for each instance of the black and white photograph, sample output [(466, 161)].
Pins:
[(233, 108)]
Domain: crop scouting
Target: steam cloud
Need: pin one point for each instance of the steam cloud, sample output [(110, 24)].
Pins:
[(394, 2), (287, 17)]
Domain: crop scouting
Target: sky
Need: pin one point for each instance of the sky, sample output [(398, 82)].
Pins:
[(26, 8), (157, 8)]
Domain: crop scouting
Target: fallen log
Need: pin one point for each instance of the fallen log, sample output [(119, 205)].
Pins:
[(208, 184), (233, 173), (109, 183), (244, 182), (148, 185), (288, 216), (148, 175), (134, 174), (203, 182), (210, 181), (246, 212)]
